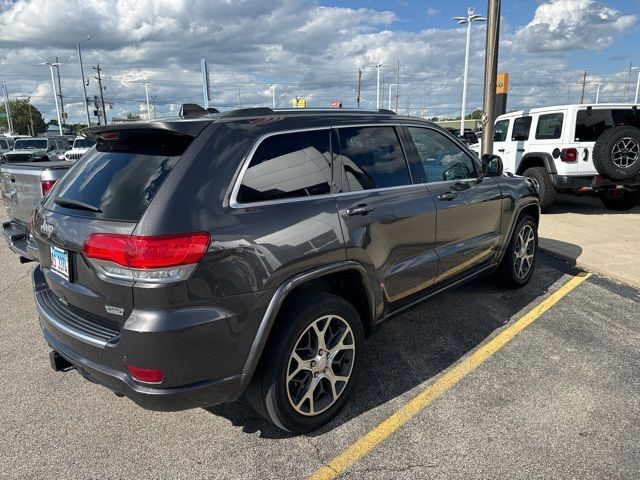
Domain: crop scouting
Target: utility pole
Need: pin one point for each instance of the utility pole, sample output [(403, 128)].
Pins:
[(490, 75), (239, 100), (584, 85), (7, 107), (146, 91), (358, 86), (62, 114), (273, 96), (598, 93), (99, 79), (397, 84), (33, 134)]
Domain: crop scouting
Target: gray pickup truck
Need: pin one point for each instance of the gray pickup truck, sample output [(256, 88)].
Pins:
[(23, 186)]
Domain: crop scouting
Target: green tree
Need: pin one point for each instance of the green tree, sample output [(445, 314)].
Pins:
[(475, 115), (22, 121)]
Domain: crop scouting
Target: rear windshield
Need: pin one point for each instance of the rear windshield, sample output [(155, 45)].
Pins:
[(118, 180), (591, 123), (30, 145), (83, 143)]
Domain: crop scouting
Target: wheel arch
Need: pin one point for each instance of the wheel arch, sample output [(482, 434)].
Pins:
[(537, 159), (529, 208), (329, 278)]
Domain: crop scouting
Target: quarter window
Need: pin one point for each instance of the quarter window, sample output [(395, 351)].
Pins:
[(440, 158), (371, 157), (500, 131), (590, 124), (289, 165), (549, 126), (521, 127)]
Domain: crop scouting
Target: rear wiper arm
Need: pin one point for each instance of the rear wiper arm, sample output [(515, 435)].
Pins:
[(70, 203)]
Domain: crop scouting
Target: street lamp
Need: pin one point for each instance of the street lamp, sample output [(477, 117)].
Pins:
[(390, 87), (55, 93), (471, 17), (377, 66), (598, 92), (637, 83), (84, 85)]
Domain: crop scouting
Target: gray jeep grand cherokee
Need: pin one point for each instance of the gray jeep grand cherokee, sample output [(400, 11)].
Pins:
[(187, 261)]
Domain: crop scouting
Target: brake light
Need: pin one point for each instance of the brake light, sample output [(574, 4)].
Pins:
[(569, 155), (46, 185), (155, 259), (146, 375)]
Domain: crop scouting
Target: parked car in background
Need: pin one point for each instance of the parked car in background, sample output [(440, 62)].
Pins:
[(80, 146), (575, 149), (6, 145), (38, 149), (468, 136), (23, 186), (171, 275)]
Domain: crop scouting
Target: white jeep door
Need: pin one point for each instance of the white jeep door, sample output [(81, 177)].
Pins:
[(502, 145), (520, 139)]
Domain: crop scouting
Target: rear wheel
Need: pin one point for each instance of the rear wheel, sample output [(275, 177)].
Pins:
[(519, 260), (620, 199), (616, 153), (542, 181), (311, 363)]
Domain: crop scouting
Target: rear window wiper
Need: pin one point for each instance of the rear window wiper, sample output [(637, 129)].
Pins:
[(70, 203)]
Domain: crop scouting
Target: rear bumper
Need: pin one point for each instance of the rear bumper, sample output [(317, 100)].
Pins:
[(19, 240), (191, 348)]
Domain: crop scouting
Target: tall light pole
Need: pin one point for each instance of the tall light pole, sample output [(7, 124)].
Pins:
[(390, 87), (273, 96), (377, 66), (84, 85), (146, 90), (7, 108), (33, 133), (637, 84), (598, 92), (471, 17), (55, 93)]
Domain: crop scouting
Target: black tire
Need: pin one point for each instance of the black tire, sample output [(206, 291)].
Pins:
[(620, 200), (507, 273), (542, 180), (268, 392), (612, 143)]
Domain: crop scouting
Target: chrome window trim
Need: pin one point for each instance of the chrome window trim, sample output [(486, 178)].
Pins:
[(233, 200)]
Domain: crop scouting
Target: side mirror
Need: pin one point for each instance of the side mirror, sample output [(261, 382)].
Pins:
[(491, 165)]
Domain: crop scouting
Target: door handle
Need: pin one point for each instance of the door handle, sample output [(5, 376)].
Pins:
[(360, 210), (447, 196), (501, 150), (521, 149)]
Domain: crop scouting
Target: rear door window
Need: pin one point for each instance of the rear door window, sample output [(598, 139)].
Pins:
[(119, 179), (521, 127), (549, 126), (372, 157), (590, 124), (500, 131), (288, 165)]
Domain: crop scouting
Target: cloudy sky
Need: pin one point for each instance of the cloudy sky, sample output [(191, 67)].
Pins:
[(312, 49)]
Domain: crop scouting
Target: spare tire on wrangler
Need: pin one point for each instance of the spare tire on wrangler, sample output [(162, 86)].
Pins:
[(616, 154)]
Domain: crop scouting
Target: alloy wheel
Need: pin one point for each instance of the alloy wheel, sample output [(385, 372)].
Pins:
[(625, 152), (524, 251), (320, 365)]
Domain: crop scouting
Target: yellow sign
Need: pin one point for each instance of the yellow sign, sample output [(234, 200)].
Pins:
[(502, 83), (298, 103)]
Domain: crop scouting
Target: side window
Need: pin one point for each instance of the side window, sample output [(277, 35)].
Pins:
[(521, 127), (287, 166), (372, 158), (441, 159), (500, 131), (549, 126)]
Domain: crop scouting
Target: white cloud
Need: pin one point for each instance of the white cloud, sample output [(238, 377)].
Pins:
[(573, 24), (432, 12)]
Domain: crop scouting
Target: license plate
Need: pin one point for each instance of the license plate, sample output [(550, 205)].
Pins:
[(60, 262)]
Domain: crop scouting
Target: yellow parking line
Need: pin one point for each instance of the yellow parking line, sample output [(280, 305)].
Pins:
[(453, 375)]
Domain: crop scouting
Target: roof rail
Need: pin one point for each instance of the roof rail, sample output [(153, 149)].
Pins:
[(193, 110), (248, 112)]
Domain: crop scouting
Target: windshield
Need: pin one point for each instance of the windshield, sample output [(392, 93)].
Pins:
[(31, 144), (83, 143)]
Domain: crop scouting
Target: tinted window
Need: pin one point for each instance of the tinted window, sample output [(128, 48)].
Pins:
[(549, 126), (441, 158), (83, 143), (500, 131), (120, 177), (521, 127), (30, 144), (591, 124), (4, 144), (288, 165), (372, 158)]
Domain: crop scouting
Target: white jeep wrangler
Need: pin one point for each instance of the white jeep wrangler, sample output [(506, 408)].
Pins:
[(574, 148)]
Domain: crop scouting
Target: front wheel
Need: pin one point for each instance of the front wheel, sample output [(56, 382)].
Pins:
[(620, 199), (519, 260), (311, 363)]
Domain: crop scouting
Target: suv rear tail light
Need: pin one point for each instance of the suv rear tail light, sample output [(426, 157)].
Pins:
[(150, 259), (46, 185), (569, 155), (146, 375)]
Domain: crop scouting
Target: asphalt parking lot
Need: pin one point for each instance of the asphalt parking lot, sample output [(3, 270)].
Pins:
[(560, 400)]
